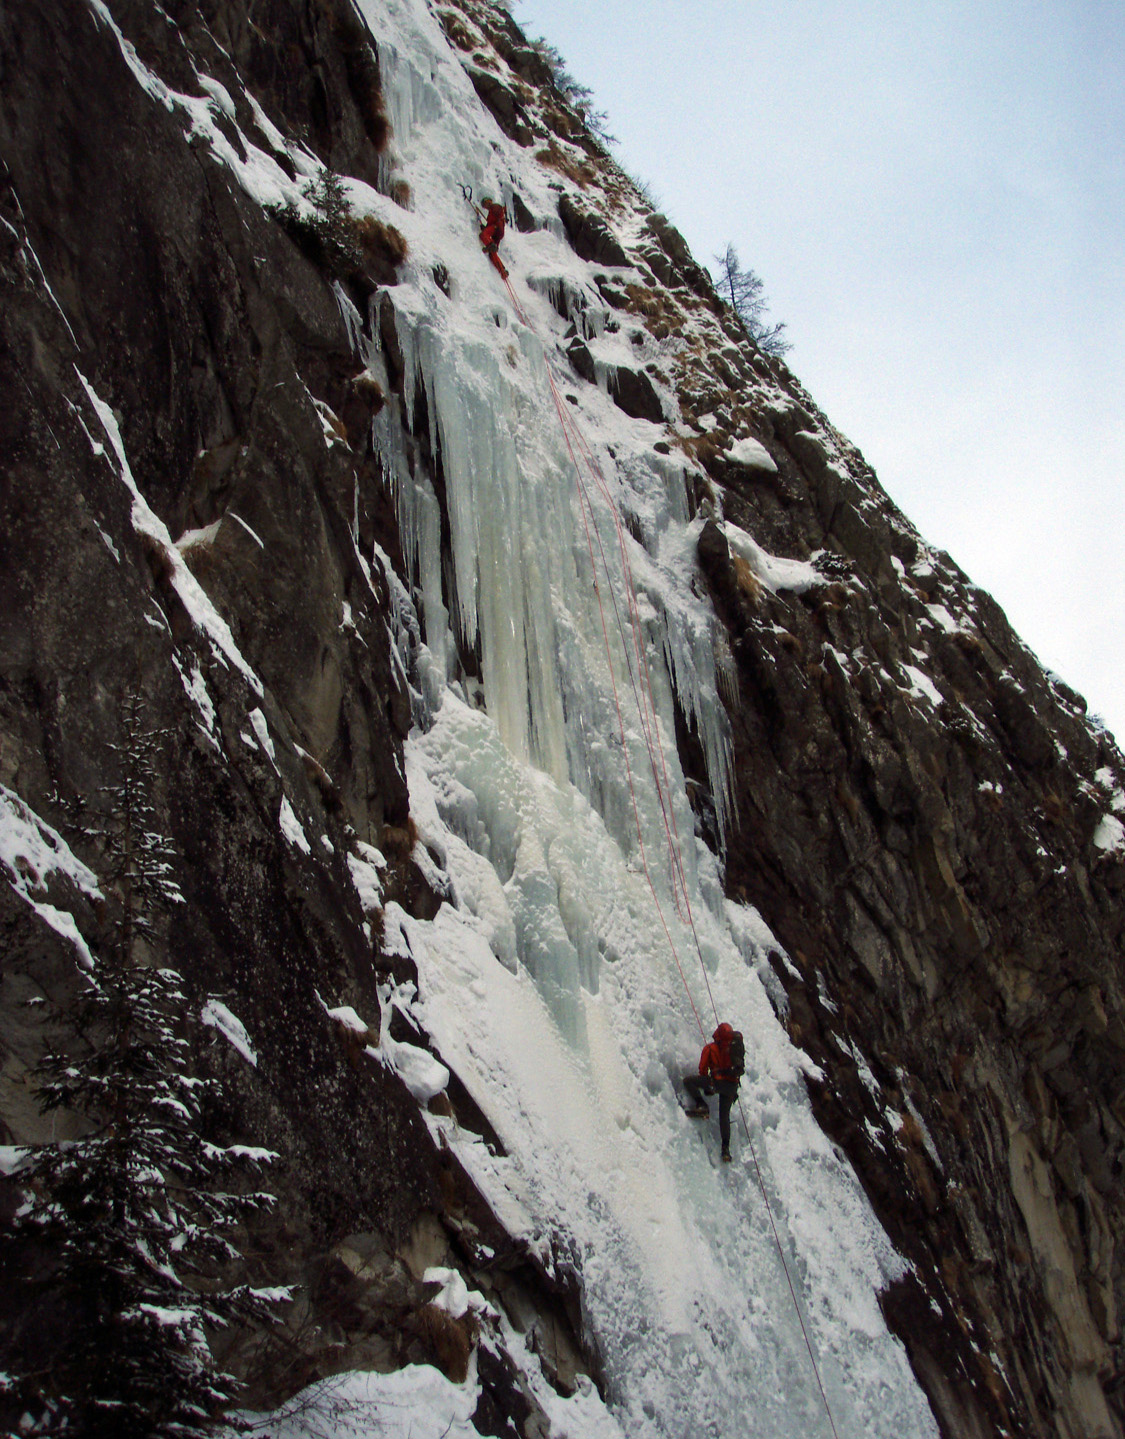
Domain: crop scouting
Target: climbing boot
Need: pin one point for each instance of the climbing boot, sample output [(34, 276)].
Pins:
[(726, 1156), (700, 1111)]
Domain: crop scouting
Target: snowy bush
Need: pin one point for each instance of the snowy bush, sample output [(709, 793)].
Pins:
[(579, 97), (128, 1228), (331, 234)]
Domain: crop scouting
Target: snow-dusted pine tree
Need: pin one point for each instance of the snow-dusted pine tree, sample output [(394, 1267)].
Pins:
[(135, 858), (128, 1224)]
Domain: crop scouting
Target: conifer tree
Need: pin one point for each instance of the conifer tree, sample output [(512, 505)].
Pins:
[(745, 291), (580, 97), (136, 860), (131, 1220)]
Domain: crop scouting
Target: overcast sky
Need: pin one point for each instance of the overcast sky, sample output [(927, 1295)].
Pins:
[(933, 192)]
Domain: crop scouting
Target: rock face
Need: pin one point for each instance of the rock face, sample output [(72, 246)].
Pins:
[(142, 289), (192, 507), (954, 931)]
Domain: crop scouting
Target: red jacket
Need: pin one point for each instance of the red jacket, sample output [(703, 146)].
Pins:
[(494, 223), (715, 1059)]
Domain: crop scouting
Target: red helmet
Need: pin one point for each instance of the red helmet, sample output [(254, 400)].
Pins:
[(724, 1031)]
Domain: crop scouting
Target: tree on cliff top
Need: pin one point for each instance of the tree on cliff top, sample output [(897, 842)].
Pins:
[(580, 97), (744, 289)]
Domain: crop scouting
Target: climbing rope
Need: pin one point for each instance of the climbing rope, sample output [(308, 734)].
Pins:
[(646, 702), (646, 707), (663, 793)]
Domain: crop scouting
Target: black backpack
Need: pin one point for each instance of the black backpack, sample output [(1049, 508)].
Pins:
[(737, 1055)]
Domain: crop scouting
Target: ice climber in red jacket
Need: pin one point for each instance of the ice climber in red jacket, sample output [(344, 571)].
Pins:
[(719, 1073), (494, 220)]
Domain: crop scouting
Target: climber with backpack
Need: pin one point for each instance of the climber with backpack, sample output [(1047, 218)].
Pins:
[(721, 1066), (494, 218)]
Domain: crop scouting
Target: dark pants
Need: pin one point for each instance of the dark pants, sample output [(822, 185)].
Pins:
[(699, 1085)]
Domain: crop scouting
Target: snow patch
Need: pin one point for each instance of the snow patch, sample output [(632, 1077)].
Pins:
[(199, 539), (753, 455), (1110, 834), (417, 1402), (422, 1074), (262, 731), (922, 687), (939, 614), (31, 852), (346, 1017), (455, 1298), (252, 533), (366, 868), (196, 688), (110, 546), (774, 572), (12, 1157), (215, 1014), (292, 828)]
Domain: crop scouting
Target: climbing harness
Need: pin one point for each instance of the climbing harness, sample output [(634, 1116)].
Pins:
[(641, 683)]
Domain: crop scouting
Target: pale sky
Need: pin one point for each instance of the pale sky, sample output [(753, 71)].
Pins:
[(933, 192)]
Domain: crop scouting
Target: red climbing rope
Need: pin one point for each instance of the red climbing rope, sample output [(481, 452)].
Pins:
[(573, 435), (646, 707), (587, 514), (646, 702)]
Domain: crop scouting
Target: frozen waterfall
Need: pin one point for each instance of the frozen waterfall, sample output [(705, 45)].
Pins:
[(564, 981)]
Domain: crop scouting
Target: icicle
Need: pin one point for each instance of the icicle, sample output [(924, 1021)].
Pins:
[(353, 320)]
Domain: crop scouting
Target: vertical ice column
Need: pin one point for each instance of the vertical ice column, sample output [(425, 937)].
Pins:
[(510, 526), (519, 574)]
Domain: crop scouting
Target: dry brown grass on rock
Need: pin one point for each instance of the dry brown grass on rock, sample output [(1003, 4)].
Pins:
[(398, 841), (449, 1340), (704, 448), (654, 305), (335, 425), (582, 172), (380, 241), (376, 121), (747, 581), (368, 388), (458, 31)]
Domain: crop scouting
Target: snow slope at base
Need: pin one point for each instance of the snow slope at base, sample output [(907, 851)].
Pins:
[(418, 1402)]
